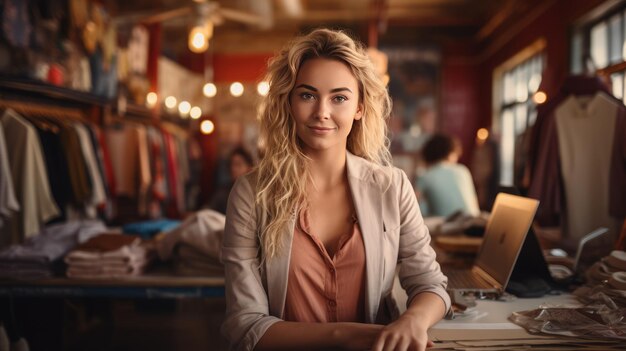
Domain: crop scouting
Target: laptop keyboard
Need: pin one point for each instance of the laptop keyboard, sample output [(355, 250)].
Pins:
[(465, 279)]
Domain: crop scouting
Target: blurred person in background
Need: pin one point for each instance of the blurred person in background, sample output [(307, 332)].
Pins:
[(240, 162), (446, 187)]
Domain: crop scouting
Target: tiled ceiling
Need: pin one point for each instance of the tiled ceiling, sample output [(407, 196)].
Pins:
[(394, 21)]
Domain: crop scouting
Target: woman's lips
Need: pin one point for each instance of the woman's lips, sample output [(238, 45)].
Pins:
[(321, 130)]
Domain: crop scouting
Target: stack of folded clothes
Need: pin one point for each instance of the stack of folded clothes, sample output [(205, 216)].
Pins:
[(38, 257), (109, 255)]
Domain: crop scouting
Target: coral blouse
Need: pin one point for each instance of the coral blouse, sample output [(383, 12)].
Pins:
[(323, 288)]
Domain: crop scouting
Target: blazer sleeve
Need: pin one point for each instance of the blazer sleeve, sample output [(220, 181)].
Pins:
[(247, 308), (419, 271)]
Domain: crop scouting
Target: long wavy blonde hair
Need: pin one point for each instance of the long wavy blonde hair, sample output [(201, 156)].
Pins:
[(283, 172)]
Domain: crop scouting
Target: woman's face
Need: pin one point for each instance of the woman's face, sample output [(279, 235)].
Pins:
[(324, 104)]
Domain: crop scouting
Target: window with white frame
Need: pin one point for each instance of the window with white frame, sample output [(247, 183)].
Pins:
[(515, 108), (599, 46)]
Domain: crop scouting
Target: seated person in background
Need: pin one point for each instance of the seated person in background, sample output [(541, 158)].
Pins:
[(446, 186), (240, 162)]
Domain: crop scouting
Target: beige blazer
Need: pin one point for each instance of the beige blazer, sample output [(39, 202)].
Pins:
[(393, 232)]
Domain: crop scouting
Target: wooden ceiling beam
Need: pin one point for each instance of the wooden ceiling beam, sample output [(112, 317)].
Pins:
[(505, 11)]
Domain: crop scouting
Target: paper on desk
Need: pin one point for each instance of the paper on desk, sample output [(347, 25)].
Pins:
[(533, 341), (475, 332), (556, 344), (553, 347)]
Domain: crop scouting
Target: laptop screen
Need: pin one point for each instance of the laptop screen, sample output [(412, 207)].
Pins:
[(511, 217)]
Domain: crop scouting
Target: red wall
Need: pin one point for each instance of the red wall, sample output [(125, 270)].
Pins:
[(459, 96), (243, 68), (227, 68)]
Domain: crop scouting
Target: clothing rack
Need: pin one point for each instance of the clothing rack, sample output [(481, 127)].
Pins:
[(45, 110)]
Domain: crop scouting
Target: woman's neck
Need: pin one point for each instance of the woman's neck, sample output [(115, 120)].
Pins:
[(327, 170)]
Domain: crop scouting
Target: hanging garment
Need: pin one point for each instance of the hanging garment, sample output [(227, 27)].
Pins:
[(122, 142), (586, 136), (98, 195), (158, 188), (542, 166), (8, 201), (57, 167), (29, 176), (77, 168), (173, 176)]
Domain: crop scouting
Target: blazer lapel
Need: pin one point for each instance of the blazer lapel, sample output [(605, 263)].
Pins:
[(367, 198), (278, 272)]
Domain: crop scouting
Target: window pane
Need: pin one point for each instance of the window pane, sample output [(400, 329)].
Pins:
[(507, 147), (532, 117), (615, 47), (509, 88), (599, 45), (624, 37), (576, 53), (521, 118), (521, 83), (617, 85)]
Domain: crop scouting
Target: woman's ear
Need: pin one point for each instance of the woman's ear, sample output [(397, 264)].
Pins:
[(359, 113)]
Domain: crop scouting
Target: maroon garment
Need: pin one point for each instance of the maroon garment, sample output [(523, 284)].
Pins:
[(617, 180), (172, 172)]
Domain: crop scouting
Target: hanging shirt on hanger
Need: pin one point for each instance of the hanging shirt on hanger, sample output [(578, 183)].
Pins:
[(8, 201), (586, 128), (98, 195), (30, 177)]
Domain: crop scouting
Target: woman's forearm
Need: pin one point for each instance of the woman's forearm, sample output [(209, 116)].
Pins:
[(318, 336), (428, 307)]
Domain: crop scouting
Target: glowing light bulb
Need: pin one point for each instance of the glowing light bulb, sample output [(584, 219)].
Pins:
[(263, 88), (207, 127), (170, 102), (236, 89), (151, 99), (209, 90), (195, 112), (482, 134), (198, 39), (540, 97), (184, 107)]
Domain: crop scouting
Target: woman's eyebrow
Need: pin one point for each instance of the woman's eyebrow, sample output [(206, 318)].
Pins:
[(305, 86), (336, 90)]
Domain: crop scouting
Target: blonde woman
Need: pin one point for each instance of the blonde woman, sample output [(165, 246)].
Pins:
[(313, 235)]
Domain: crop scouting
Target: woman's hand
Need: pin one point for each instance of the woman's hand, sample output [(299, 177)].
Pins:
[(406, 333)]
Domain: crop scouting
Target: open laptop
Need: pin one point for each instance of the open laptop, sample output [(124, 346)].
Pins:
[(511, 217)]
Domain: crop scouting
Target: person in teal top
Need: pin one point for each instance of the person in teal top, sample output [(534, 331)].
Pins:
[(446, 186)]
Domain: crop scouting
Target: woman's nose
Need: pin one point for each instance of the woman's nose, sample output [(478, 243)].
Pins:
[(323, 110)]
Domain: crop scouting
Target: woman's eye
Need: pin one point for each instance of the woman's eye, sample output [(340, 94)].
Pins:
[(307, 96), (340, 98)]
